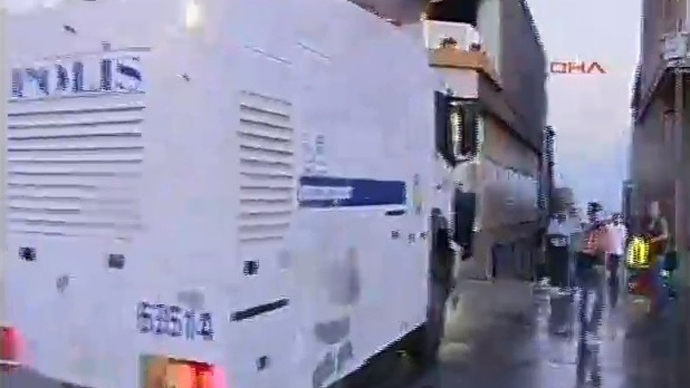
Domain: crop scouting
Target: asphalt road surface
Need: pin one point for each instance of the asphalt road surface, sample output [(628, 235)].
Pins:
[(504, 335)]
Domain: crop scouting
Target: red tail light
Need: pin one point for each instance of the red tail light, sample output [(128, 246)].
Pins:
[(163, 371), (204, 377), (208, 376), (10, 348)]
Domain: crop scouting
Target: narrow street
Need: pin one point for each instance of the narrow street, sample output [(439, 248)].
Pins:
[(516, 341), (281, 194)]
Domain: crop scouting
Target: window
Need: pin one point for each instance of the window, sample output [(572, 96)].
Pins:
[(465, 212), (456, 120)]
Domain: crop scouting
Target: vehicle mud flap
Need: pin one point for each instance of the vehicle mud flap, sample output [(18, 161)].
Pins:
[(436, 319), (424, 342)]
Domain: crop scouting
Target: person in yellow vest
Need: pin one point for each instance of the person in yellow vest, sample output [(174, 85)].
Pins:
[(638, 254)]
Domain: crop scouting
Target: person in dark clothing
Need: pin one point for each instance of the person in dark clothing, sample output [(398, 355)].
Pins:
[(590, 274), (591, 250), (657, 231), (444, 255), (541, 273), (558, 253), (464, 208)]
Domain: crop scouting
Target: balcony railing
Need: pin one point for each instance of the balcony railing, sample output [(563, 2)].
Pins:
[(458, 45)]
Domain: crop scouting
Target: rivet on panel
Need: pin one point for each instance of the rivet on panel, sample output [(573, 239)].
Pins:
[(61, 283), (262, 363), (116, 261), (27, 253)]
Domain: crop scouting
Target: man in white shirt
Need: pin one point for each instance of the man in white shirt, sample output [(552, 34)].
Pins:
[(617, 238)]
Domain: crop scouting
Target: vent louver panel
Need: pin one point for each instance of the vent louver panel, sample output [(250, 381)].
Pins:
[(267, 181), (74, 166)]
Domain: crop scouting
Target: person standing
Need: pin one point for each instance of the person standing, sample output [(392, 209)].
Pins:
[(657, 231), (589, 273), (617, 235), (557, 253), (594, 233), (541, 274)]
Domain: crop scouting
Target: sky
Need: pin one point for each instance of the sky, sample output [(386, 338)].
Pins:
[(591, 113)]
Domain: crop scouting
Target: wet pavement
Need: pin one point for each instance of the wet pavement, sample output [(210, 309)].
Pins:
[(506, 335)]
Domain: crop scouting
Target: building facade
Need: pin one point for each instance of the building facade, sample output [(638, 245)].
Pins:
[(498, 60), (510, 86), (661, 116)]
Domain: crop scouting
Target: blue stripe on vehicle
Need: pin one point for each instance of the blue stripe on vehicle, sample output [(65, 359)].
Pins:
[(326, 191)]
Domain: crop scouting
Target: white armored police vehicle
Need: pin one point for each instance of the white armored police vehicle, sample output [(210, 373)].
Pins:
[(210, 193)]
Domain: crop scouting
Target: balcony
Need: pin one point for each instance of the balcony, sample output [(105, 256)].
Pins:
[(450, 57), (459, 46)]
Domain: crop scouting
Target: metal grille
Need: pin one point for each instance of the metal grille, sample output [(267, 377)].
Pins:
[(267, 165), (74, 165)]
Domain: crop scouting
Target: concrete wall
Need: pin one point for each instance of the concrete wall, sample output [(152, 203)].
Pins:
[(650, 161), (488, 25), (563, 199), (463, 82), (523, 69), (648, 172), (501, 147), (659, 17), (653, 156), (507, 177), (510, 163), (513, 142), (654, 142), (650, 46)]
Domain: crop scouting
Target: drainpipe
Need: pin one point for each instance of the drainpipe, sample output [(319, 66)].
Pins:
[(680, 222)]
